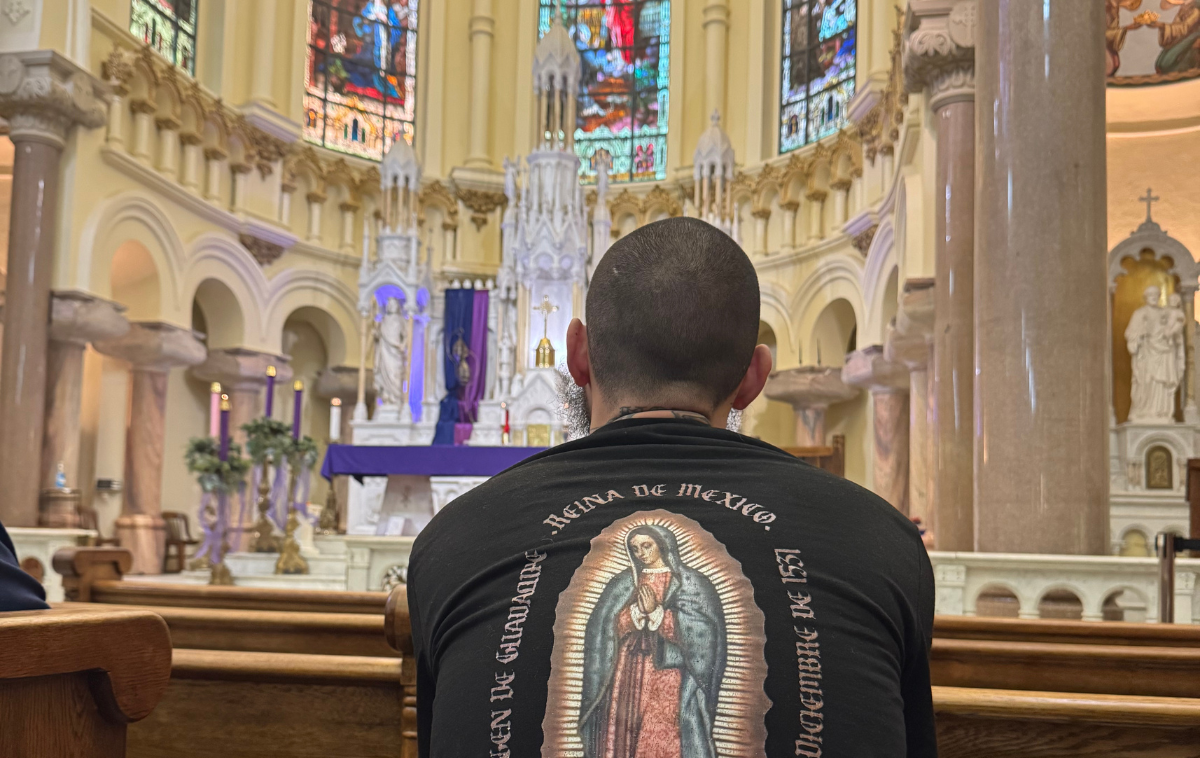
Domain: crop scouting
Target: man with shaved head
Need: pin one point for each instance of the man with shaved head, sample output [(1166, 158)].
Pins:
[(661, 585)]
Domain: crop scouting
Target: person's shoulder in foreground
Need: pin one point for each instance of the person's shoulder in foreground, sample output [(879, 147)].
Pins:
[(664, 586), (18, 590)]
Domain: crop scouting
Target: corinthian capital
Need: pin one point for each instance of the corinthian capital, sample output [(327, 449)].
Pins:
[(42, 95), (939, 50)]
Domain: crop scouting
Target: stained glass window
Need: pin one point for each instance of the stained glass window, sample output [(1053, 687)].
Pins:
[(168, 27), (622, 107), (360, 81), (818, 69)]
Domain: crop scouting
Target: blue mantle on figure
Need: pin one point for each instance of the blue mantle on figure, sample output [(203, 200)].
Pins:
[(441, 460)]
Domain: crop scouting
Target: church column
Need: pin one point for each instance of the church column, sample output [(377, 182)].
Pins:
[(263, 77), (816, 219), (214, 159), (909, 342), (888, 384), (42, 95), (168, 145), (1041, 316), (143, 128), (75, 320), (841, 201), (810, 390), (241, 173), (716, 28), (789, 224), (192, 152), (346, 241), (761, 216), (316, 205), (482, 27), (152, 350), (939, 60)]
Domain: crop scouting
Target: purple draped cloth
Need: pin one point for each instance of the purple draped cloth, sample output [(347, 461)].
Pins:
[(469, 404)]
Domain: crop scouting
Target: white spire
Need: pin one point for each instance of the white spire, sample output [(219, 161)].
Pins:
[(714, 151), (400, 166), (556, 62)]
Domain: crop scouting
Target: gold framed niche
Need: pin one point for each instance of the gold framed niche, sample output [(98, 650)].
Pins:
[(1146, 270), (1160, 474)]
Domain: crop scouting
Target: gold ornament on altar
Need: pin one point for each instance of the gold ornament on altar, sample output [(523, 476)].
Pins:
[(545, 351), (459, 353)]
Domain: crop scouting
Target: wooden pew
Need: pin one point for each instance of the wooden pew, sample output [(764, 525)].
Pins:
[(1061, 667), (986, 723), (93, 575), (238, 704), (268, 631), (72, 680), (1074, 632)]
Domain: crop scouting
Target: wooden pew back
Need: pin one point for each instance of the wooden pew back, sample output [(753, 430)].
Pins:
[(1073, 632), (985, 723), (93, 574), (71, 680)]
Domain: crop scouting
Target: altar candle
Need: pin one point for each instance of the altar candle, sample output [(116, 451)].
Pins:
[(298, 386), (214, 410), (224, 430), (335, 419), (270, 390)]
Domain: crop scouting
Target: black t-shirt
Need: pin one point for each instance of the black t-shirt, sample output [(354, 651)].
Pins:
[(18, 591), (664, 588)]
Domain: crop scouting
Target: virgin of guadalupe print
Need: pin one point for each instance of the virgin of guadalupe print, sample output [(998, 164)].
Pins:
[(658, 648)]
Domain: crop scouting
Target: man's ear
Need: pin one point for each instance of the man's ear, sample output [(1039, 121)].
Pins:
[(755, 378), (578, 361)]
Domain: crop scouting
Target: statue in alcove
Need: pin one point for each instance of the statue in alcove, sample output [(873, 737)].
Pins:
[(1155, 341)]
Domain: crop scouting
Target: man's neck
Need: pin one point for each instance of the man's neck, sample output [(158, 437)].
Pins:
[(657, 411)]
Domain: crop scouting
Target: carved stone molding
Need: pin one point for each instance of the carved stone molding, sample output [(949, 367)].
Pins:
[(264, 252), (939, 51), (862, 240), (480, 203), (438, 195), (42, 94)]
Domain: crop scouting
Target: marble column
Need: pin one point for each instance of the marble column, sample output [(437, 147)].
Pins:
[(152, 350), (482, 28), (810, 390), (887, 382), (909, 341), (42, 95), (939, 54), (1041, 314), (76, 319)]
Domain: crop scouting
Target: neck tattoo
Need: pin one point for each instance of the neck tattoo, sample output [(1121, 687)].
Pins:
[(636, 412)]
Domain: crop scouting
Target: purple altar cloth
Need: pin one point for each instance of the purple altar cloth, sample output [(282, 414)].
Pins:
[(440, 460)]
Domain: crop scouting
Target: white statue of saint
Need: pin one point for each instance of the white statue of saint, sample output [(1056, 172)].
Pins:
[(391, 354), (1154, 338)]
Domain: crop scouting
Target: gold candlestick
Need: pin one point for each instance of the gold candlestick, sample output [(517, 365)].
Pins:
[(264, 540), (290, 561), (328, 523)]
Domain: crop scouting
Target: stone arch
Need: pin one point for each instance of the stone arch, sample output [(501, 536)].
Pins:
[(215, 256), (997, 599), (836, 276), (1059, 601), (293, 290), (225, 325), (1135, 541), (131, 216), (1120, 601), (135, 281), (773, 311), (834, 333), (881, 262)]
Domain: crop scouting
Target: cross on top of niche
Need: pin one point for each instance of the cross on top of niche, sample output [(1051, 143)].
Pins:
[(1149, 199)]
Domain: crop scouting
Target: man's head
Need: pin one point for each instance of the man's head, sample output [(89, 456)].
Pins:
[(672, 322)]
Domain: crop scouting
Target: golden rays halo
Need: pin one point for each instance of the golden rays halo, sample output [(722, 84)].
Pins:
[(739, 729)]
